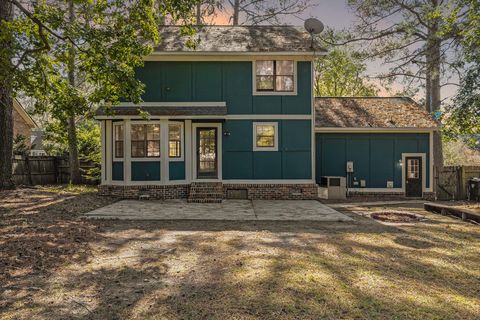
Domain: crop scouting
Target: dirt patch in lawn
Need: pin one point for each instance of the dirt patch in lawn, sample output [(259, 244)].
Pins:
[(395, 216), (235, 270)]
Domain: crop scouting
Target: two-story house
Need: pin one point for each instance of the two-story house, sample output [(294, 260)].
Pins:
[(232, 118)]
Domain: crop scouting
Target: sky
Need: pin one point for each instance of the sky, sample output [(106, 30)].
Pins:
[(337, 15)]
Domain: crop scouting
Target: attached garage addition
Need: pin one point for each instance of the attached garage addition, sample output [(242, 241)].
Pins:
[(388, 141)]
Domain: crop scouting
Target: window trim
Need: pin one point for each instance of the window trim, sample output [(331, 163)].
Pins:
[(114, 147), (146, 158), (182, 141), (273, 93), (275, 147)]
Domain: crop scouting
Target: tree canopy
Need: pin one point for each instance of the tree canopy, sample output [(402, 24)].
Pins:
[(463, 115), (73, 54), (342, 73)]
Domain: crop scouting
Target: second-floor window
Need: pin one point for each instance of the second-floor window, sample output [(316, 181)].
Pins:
[(145, 140), (275, 75)]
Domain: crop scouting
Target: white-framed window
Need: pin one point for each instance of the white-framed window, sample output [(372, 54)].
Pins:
[(118, 140), (175, 140), (145, 140), (274, 77), (265, 136)]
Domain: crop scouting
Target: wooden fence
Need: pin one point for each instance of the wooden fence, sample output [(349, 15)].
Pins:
[(452, 181), (45, 170)]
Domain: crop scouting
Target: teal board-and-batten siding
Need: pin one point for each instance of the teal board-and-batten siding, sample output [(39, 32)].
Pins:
[(229, 81), (176, 170), (117, 170), (145, 170), (293, 160), (376, 156)]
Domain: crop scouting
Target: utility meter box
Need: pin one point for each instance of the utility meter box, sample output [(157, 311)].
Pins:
[(333, 188), (349, 166)]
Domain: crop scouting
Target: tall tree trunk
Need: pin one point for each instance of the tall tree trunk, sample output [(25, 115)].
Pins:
[(236, 12), (6, 103), (75, 176), (198, 13), (433, 98)]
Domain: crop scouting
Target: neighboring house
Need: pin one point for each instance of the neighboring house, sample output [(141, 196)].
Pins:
[(232, 118), (23, 123)]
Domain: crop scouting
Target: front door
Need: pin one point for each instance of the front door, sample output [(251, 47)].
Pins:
[(413, 177), (207, 153)]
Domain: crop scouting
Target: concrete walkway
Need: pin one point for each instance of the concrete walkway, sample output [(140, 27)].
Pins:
[(234, 210)]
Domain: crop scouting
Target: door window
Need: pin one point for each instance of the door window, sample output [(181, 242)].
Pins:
[(413, 169)]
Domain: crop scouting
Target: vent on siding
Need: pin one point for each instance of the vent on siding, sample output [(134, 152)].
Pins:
[(239, 194)]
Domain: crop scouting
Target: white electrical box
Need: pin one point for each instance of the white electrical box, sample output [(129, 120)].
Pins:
[(389, 184), (363, 183), (349, 166)]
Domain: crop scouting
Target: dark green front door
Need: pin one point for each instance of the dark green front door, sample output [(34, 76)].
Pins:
[(207, 153)]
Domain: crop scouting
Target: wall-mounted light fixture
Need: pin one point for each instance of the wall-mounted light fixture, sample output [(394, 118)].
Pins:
[(226, 133)]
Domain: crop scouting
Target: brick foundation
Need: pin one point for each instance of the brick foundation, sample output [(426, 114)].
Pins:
[(155, 192), (253, 191), (387, 195), (275, 191)]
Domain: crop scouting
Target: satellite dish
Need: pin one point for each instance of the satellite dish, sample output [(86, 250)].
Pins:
[(313, 26)]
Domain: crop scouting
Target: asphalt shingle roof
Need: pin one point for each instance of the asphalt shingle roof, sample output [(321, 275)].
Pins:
[(163, 111), (231, 39), (371, 112)]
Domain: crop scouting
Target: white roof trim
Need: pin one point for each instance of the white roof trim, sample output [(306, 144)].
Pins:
[(172, 104), (239, 53), (154, 117), (25, 116), (366, 130)]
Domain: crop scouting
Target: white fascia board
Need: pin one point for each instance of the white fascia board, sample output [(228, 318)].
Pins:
[(120, 117), (222, 117), (371, 130), (230, 56), (172, 104)]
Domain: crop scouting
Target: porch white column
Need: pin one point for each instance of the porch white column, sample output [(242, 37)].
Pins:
[(102, 151), (164, 163), (127, 163), (108, 151), (188, 150)]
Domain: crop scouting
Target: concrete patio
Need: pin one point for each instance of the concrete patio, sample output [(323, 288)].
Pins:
[(233, 210)]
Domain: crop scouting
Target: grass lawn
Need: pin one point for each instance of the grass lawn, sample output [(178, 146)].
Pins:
[(56, 265)]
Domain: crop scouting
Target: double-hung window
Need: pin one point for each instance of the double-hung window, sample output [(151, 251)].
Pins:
[(265, 136), (145, 140), (118, 138), (275, 76), (175, 140)]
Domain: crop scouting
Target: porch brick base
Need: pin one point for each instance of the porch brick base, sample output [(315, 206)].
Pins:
[(154, 192), (253, 191)]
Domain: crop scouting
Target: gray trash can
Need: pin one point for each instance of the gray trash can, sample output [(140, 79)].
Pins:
[(473, 189)]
